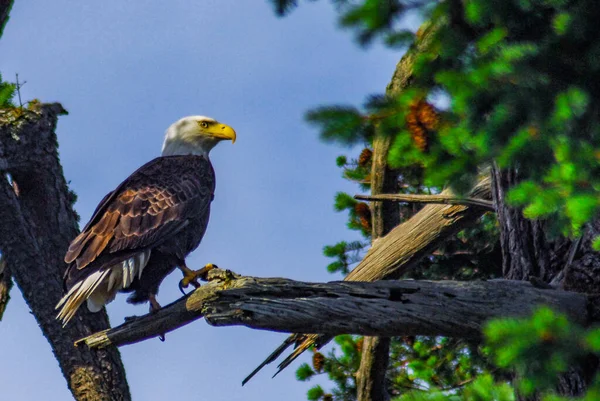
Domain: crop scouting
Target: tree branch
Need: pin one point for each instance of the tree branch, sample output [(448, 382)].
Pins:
[(384, 308), (443, 199), (393, 255)]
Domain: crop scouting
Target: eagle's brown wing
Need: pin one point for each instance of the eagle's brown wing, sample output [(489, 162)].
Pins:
[(148, 208), (150, 205)]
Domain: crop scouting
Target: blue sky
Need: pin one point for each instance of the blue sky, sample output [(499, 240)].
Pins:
[(125, 71)]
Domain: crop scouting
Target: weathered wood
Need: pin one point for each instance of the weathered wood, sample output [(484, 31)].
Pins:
[(397, 252), (372, 372), (37, 222), (418, 198), (388, 308)]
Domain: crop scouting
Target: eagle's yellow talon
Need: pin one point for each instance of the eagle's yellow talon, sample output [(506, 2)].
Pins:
[(192, 276)]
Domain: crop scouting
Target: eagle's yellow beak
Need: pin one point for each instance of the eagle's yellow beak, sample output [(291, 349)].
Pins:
[(222, 131)]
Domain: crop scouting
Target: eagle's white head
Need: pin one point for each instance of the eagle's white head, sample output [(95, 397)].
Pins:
[(195, 135)]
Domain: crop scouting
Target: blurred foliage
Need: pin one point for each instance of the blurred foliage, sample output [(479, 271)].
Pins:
[(7, 92), (521, 76), (423, 368), (520, 80), (6, 11)]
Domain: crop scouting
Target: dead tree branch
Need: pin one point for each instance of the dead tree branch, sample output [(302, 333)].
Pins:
[(384, 308), (397, 252), (443, 199)]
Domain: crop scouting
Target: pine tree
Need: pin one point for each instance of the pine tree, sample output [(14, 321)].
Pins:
[(520, 79)]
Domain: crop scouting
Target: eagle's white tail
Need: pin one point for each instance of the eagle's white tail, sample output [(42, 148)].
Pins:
[(101, 287)]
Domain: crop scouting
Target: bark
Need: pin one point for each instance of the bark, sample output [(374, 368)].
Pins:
[(525, 250), (388, 308), (528, 252), (583, 273), (5, 286), (38, 223), (5, 6), (371, 384)]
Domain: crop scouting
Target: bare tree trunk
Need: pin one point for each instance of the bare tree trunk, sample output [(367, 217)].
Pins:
[(371, 376), (528, 252), (371, 382), (37, 224)]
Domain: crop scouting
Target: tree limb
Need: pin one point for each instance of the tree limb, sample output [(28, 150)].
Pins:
[(393, 255), (414, 198), (383, 308)]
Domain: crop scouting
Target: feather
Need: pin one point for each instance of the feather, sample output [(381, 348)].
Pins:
[(142, 261), (113, 278), (80, 292), (126, 274), (132, 269), (100, 287)]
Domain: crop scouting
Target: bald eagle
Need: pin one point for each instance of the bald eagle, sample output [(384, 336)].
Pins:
[(145, 228)]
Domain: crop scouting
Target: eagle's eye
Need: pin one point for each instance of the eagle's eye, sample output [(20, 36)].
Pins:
[(204, 124)]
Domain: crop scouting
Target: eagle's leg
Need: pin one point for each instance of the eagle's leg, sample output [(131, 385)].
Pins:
[(191, 276), (155, 307)]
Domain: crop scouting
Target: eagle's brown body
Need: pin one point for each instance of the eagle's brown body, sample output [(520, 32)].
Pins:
[(139, 233)]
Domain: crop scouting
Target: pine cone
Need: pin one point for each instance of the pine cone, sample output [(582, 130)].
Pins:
[(318, 361), (365, 157), (359, 344), (327, 397), (419, 137), (428, 116), (421, 120), (363, 212)]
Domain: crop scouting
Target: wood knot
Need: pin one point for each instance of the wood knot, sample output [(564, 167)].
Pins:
[(221, 275)]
